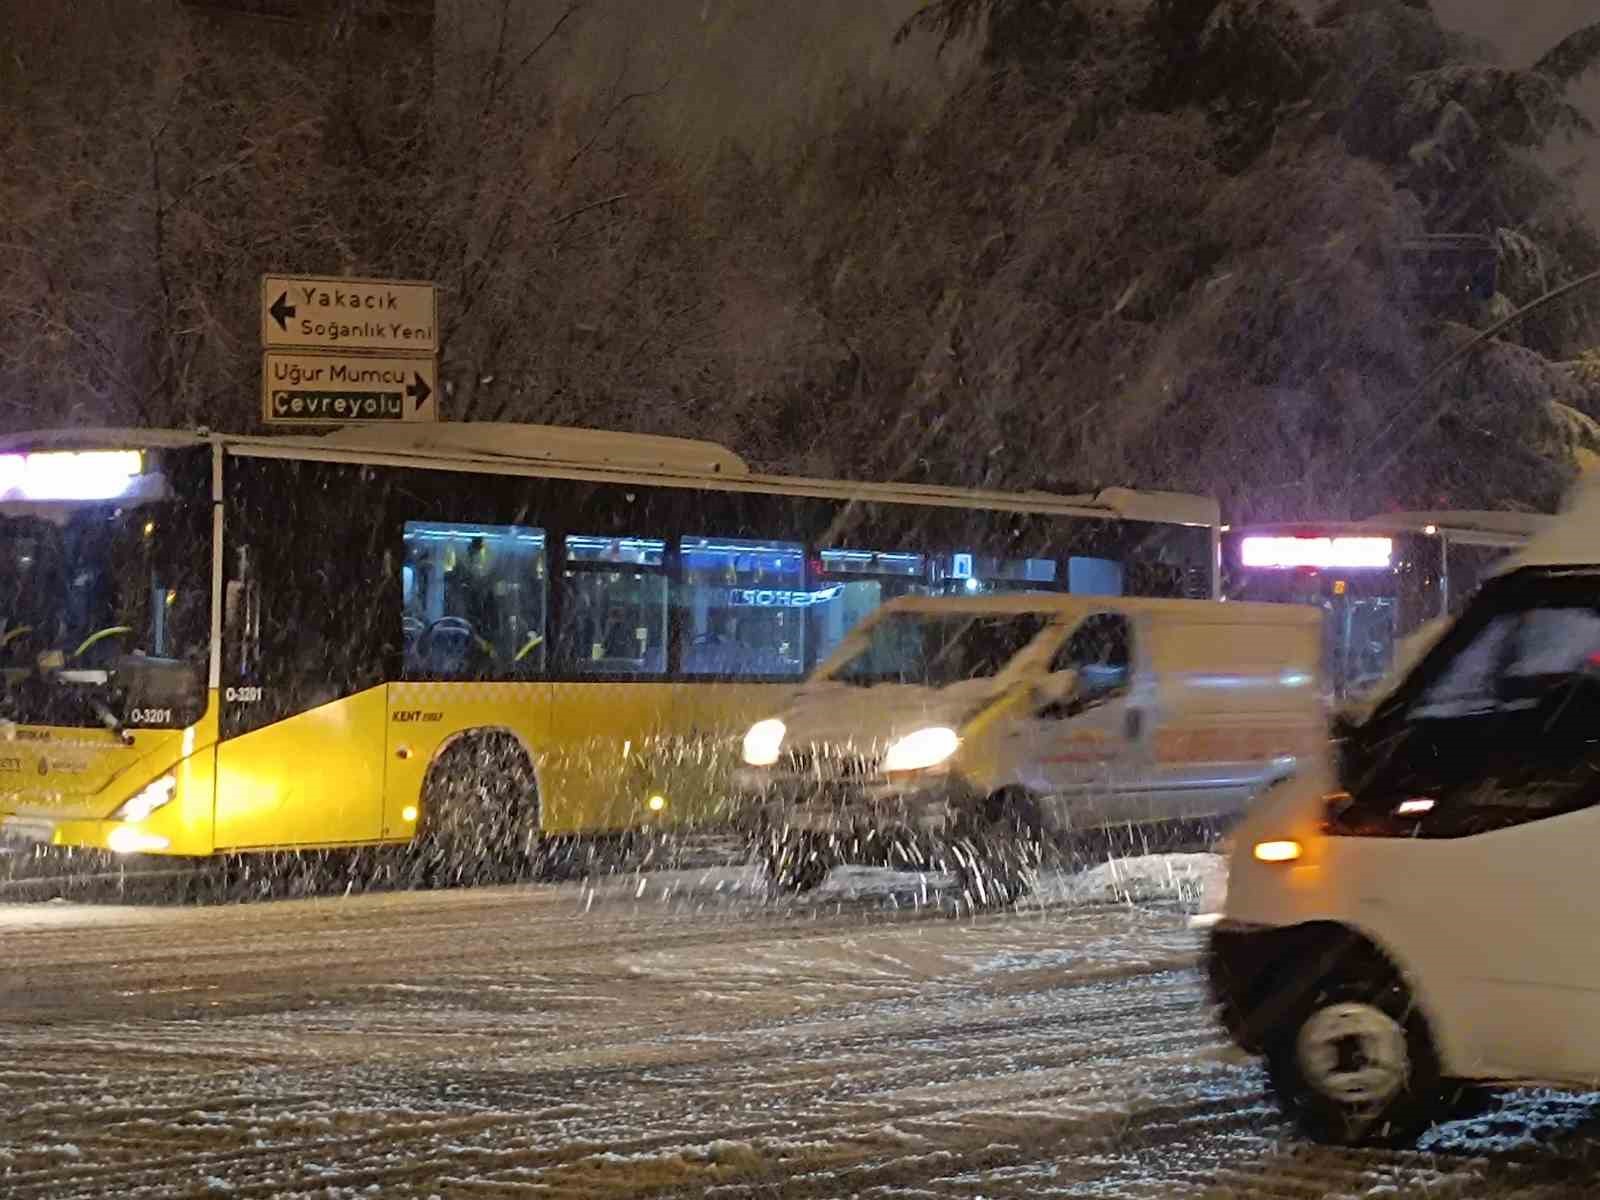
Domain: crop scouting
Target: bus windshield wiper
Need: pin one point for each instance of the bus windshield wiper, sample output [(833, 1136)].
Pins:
[(110, 720), (55, 677)]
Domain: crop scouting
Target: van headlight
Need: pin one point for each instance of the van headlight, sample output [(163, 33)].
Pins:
[(920, 750), (762, 742), (149, 798)]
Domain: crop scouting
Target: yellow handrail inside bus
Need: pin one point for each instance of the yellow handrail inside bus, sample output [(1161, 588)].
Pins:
[(113, 631)]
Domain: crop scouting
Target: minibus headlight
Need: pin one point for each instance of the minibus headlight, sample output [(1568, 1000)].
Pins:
[(762, 743), (920, 750), (151, 797)]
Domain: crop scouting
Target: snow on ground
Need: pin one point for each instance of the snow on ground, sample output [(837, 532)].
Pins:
[(1143, 878), (673, 1034)]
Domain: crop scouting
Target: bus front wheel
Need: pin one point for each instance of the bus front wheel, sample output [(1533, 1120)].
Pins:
[(480, 811)]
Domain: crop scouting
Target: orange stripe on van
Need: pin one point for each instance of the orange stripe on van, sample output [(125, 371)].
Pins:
[(1231, 745)]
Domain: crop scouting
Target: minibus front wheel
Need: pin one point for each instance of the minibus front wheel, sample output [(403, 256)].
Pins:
[(1354, 1064)]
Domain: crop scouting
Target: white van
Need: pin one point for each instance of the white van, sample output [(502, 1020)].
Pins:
[(1039, 714), (1417, 912)]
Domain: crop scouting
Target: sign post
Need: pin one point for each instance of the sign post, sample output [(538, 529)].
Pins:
[(348, 351)]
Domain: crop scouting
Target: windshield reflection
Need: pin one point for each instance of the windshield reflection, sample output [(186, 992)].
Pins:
[(103, 606)]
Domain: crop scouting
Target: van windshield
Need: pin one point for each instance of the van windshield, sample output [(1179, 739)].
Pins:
[(937, 650)]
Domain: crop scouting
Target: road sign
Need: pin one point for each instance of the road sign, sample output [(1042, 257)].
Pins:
[(347, 389), (309, 311)]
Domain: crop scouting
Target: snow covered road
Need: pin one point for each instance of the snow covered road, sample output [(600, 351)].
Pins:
[(668, 1034)]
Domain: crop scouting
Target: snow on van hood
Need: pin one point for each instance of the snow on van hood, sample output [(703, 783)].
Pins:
[(833, 713)]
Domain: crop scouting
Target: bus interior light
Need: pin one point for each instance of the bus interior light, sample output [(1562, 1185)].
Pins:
[(1319, 552)]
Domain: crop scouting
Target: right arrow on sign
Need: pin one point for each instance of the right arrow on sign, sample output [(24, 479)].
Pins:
[(282, 310), (419, 391)]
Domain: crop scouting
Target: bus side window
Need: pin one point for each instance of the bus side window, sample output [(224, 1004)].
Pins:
[(472, 601), (852, 585), (614, 606), (744, 607)]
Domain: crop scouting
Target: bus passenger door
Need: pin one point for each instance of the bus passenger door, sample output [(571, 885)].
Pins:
[(309, 618), (313, 778)]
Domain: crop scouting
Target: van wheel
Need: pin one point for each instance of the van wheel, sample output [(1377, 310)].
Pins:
[(798, 862), (1356, 1066), (480, 813), (997, 848)]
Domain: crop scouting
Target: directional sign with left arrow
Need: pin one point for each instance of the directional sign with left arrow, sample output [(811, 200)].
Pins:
[(343, 389), (307, 312)]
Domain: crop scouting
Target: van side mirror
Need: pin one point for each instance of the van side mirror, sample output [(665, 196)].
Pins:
[(1054, 694)]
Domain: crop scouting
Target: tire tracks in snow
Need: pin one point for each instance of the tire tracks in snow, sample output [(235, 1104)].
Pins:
[(535, 1041)]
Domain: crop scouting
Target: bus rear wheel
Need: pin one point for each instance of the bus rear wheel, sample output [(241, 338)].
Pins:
[(480, 813)]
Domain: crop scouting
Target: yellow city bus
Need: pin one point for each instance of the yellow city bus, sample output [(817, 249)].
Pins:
[(460, 634)]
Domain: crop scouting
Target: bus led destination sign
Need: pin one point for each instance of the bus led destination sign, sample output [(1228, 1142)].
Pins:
[(323, 389)]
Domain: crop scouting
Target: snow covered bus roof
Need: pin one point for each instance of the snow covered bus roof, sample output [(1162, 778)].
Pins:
[(557, 451)]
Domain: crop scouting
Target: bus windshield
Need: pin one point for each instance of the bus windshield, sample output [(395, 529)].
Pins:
[(1361, 619), (936, 651), (104, 612), (1376, 583)]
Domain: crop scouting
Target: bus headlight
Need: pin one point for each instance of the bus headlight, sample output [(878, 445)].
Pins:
[(762, 743), (151, 797), (126, 840), (920, 750)]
